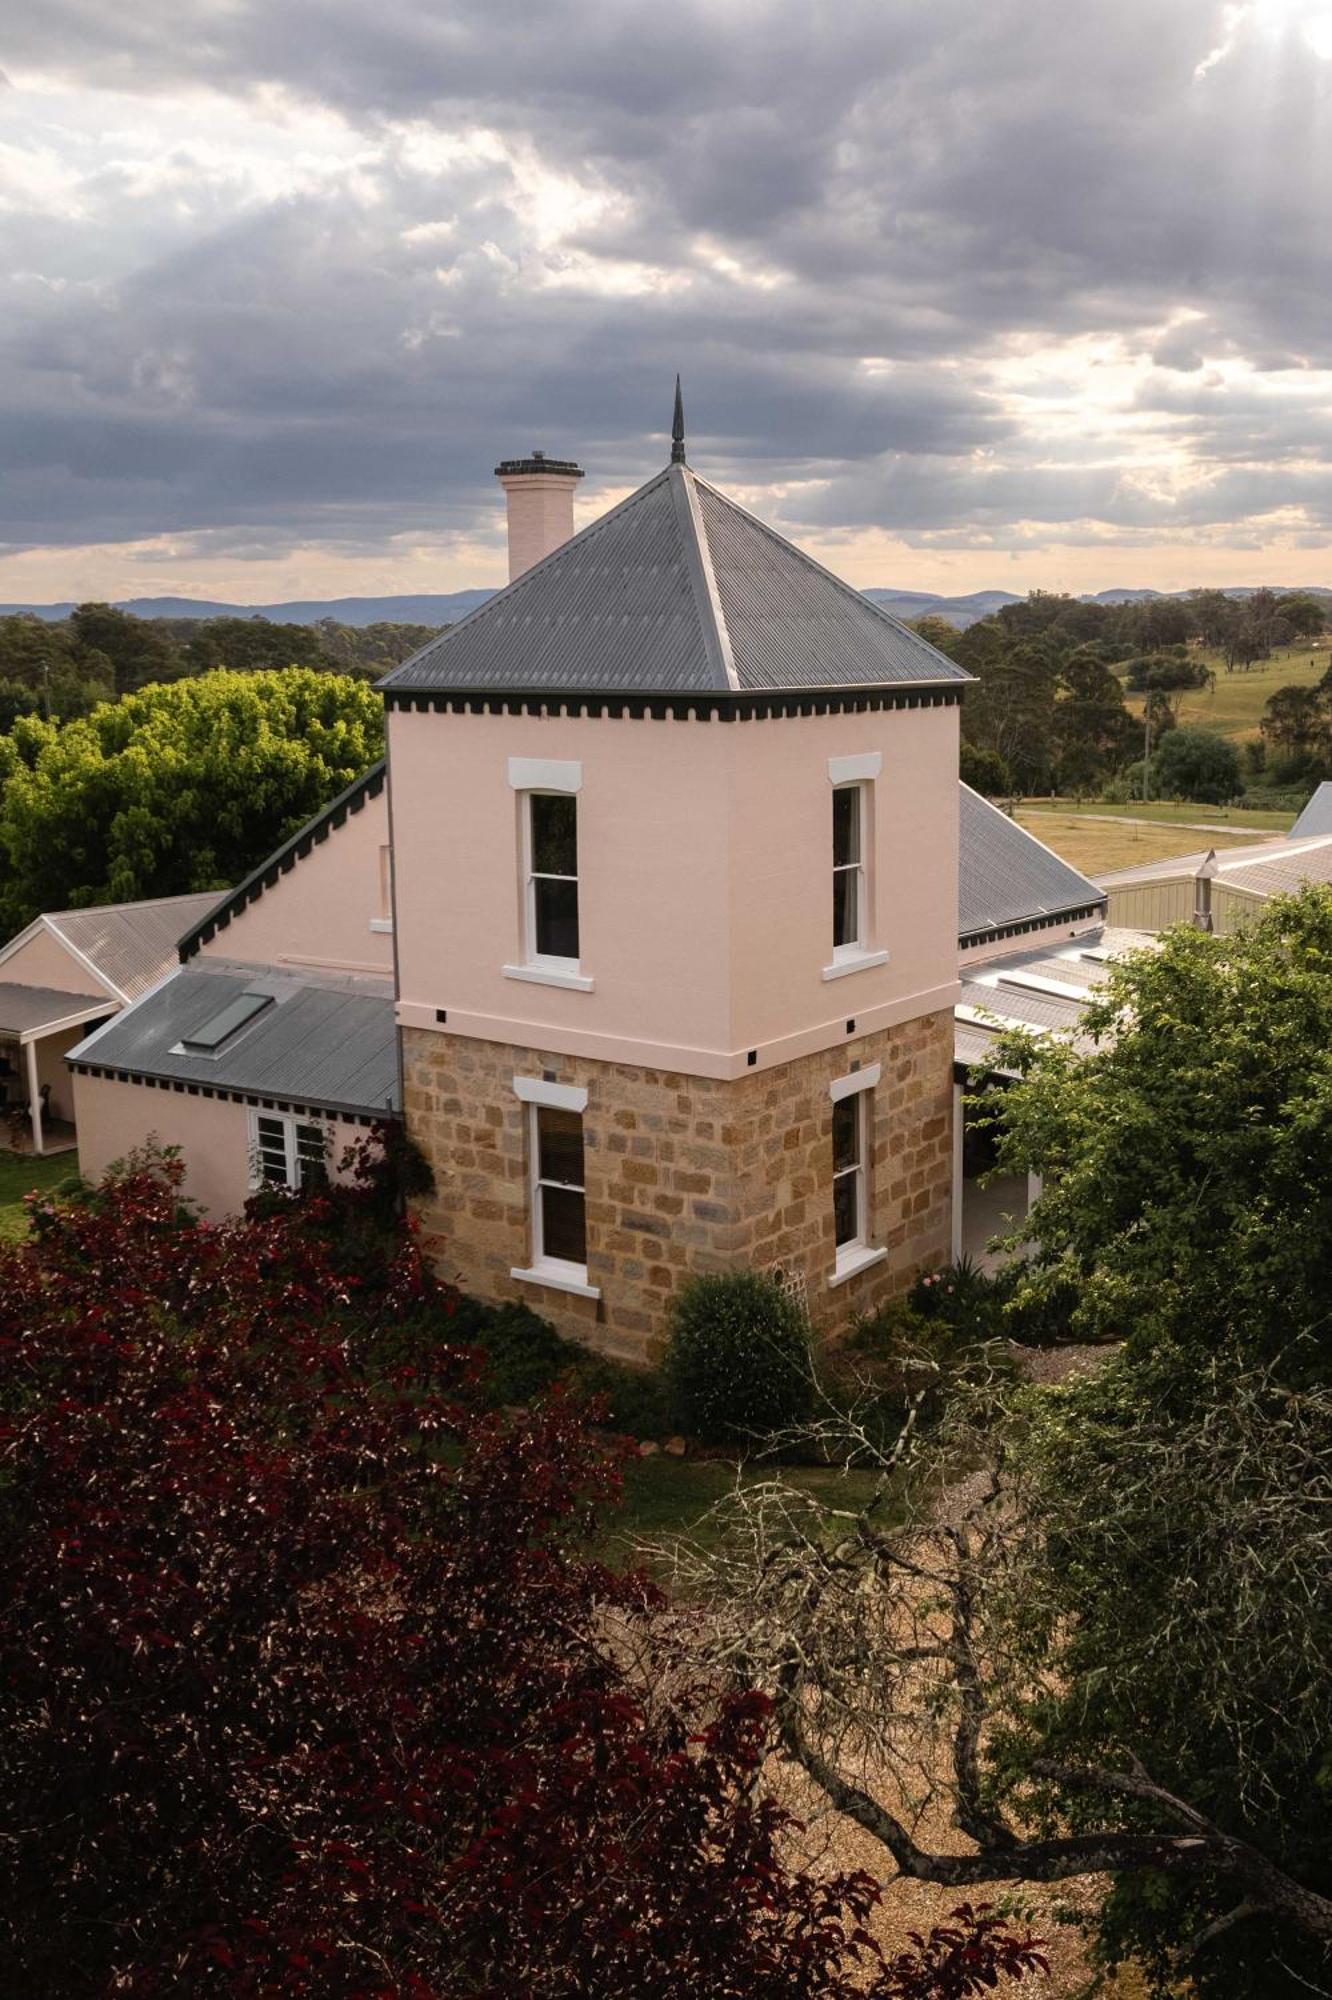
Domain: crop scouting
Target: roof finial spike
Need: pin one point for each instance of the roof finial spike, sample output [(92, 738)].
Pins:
[(677, 428)]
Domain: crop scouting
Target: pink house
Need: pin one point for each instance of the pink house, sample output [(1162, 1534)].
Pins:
[(663, 975)]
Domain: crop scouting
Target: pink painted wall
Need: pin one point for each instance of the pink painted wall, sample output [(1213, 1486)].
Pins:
[(319, 913), (53, 1069), (541, 518), (781, 867), (44, 961), (214, 1137), (705, 856)]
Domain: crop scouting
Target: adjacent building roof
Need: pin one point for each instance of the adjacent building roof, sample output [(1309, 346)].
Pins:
[(328, 1042), (126, 946), (220, 911), (1268, 868), (1044, 990), (1007, 879), (26, 1010), (1317, 815), (676, 591)]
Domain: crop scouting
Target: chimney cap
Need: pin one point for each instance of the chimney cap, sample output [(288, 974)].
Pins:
[(537, 462)]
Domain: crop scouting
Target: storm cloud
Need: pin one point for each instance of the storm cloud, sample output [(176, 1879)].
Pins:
[(284, 276)]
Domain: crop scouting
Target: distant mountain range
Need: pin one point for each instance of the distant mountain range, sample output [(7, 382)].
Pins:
[(448, 608), (442, 610)]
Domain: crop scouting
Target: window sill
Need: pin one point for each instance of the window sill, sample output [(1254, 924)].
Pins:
[(384, 925), (852, 1260), (549, 975), (861, 962), (560, 1278)]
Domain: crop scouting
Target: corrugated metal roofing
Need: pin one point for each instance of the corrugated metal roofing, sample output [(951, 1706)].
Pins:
[(999, 992), (132, 944), (1267, 867), (1006, 876), (1281, 872), (23, 1008), (1317, 815), (676, 590), (328, 1043)]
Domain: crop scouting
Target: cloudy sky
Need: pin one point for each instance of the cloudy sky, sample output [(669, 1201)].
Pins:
[(1030, 292)]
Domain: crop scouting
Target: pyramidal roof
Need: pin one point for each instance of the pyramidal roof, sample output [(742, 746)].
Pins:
[(675, 591)]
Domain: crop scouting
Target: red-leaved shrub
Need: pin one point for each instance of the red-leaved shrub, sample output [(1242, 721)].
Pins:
[(307, 1682)]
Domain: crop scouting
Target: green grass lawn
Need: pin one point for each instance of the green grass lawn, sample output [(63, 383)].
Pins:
[(1167, 813), (668, 1497), (21, 1174)]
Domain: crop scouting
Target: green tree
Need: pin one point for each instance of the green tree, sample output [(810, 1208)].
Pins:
[(1172, 1605), (137, 650), (938, 631), (1178, 1601), (175, 788), (1092, 731), (1183, 1144), (1194, 764), (985, 771), (1303, 615), (1296, 729), (1162, 621), (1212, 615), (243, 645), (1011, 709)]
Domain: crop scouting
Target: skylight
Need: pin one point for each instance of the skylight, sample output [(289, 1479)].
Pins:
[(228, 1021)]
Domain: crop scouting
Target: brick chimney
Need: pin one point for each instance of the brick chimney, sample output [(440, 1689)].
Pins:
[(539, 491)]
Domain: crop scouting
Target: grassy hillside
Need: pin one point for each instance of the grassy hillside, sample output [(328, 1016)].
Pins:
[(1234, 707)]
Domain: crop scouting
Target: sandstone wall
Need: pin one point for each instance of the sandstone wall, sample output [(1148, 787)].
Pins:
[(685, 1174)]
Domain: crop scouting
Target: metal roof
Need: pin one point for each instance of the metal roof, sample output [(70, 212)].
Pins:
[(25, 1008), (1266, 868), (1317, 815), (677, 590), (1007, 877), (221, 910), (329, 1042), (129, 945), (1015, 992)]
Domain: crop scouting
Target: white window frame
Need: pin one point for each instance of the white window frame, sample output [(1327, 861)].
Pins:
[(857, 946), (533, 1093), (857, 773), (293, 1124), (858, 1253), (536, 777)]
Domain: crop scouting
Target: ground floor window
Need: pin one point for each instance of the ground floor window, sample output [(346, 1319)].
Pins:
[(287, 1152), (557, 1184), (852, 1157), (849, 1171), (560, 1202)]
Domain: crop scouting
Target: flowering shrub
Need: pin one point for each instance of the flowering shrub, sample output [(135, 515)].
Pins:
[(308, 1688)]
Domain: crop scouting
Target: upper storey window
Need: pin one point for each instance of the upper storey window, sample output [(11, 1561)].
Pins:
[(853, 917), (552, 877), (552, 939), (848, 868)]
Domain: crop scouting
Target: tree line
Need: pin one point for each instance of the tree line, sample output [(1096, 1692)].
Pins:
[(1048, 712), (63, 669)]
